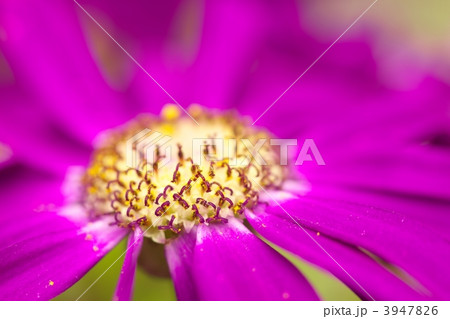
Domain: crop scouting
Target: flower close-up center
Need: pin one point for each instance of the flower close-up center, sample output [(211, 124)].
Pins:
[(170, 173)]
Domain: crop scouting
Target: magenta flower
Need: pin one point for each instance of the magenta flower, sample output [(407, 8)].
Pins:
[(375, 216)]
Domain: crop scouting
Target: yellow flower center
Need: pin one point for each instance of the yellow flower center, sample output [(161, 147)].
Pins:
[(166, 174)]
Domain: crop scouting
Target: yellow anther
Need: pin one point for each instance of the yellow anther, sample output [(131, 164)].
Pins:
[(170, 112)]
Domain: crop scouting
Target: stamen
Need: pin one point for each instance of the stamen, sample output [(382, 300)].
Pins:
[(176, 174), (229, 201), (170, 226), (228, 189), (197, 214), (212, 205), (180, 153), (162, 209), (178, 198), (217, 218), (158, 197), (201, 201)]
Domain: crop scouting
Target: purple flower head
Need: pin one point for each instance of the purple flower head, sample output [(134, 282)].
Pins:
[(155, 122)]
